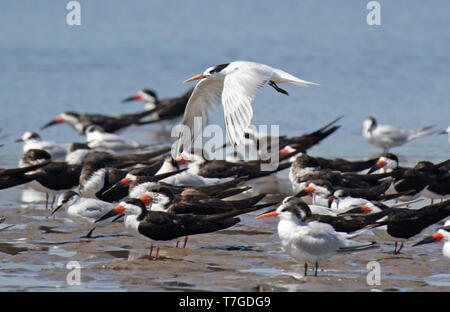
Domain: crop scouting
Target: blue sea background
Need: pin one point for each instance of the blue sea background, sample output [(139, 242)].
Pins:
[(397, 72)]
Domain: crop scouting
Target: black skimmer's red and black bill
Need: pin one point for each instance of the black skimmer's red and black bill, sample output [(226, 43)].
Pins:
[(402, 224), (162, 226), (235, 85), (148, 96), (387, 136), (387, 162), (443, 234), (32, 140), (308, 240), (83, 211), (110, 124), (161, 110)]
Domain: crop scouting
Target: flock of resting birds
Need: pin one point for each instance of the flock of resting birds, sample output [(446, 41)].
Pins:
[(166, 196)]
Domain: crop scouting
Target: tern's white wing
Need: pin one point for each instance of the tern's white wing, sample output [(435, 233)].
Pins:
[(389, 134), (205, 96), (317, 239), (239, 89), (90, 209)]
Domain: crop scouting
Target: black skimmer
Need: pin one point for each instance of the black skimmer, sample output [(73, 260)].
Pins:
[(136, 178), (438, 182), (77, 152), (193, 201), (110, 124), (261, 144), (53, 178), (418, 179), (162, 226), (402, 224), (304, 142), (308, 240), (235, 85), (148, 96), (339, 164), (443, 234), (32, 140), (138, 184), (16, 176), (83, 211), (387, 162), (165, 109), (218, 168), (386, 136), (306, 169), (105, 181), (188, 177)]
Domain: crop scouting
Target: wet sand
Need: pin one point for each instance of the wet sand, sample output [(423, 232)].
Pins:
[(247, 257)]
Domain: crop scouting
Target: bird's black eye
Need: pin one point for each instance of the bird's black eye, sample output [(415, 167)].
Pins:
[(247, 135)]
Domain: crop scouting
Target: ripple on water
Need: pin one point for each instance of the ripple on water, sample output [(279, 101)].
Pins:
[(442, 280)]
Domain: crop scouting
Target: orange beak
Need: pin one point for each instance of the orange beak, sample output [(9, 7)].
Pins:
[(126, 181), (366, 209), (381, 164), (59, 119), (119, 209), (146, 199), (284, 151), (181, 159), (197, 77), (310, 190), (268, 214)]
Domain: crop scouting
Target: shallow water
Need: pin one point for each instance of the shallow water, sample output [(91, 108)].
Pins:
[(247, 257), (395, 72)]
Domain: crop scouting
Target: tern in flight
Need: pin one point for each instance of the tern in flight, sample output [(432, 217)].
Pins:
[(234, 84)]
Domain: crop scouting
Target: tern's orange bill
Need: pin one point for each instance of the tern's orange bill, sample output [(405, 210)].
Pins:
[(268, 214), (197, 77)]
